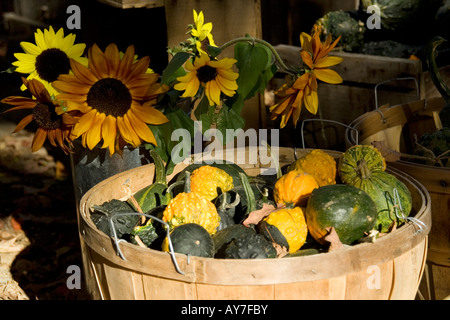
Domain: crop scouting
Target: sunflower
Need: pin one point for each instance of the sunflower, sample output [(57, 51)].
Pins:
[(115, 96), (51, 126), (314, 54), (49, 57), (215, 76), (202, 31), (302, 92)]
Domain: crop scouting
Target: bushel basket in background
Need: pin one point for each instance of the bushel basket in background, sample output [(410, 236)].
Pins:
[(397, 128), (389, 268)]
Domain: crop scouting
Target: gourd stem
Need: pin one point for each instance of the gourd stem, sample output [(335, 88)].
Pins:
[(187, 182), (363, 169), (251, 201), (160, 170)]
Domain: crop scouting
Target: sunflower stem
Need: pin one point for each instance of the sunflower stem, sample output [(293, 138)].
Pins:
[(265, 43)]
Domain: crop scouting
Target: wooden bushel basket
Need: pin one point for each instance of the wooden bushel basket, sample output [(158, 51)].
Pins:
[(389, 268), (397, 127)]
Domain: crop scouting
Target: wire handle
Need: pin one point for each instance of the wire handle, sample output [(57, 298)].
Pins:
[(399, 212), (323, 120), (117, 241), (402, 78)]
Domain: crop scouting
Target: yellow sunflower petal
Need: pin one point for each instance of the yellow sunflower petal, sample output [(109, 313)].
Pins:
[(141, 128), (328, 62), (30, 48), (82, 73), (23, 123), (97, 62), (38, 139), (149, 114), (306, 58), (84, 123), (126, 63), (113, 58), (212, 92), (127, 132), (109, 132), (94, 134), (312, 102), (328, 75)]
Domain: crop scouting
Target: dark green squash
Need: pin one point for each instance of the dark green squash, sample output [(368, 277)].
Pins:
[(190, 239), (380, 186), (223, 237), (251, 246), (115, 209), (350, 210)]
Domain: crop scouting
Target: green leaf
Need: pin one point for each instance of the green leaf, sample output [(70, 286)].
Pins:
[(228, 119), (213, 51), (163, 135), (252, 61), (10, 70), (173, 69)]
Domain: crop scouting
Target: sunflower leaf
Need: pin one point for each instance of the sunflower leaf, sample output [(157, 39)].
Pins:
[(252, 61), (178, 119), (173, 69)]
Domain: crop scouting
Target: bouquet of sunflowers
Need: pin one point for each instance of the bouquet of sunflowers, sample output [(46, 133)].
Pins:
[(112, 99)]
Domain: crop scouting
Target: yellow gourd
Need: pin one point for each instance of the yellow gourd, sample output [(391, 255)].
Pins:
[(319, 164), (191, 207), (294, 187), (206, 179), (290, 223)]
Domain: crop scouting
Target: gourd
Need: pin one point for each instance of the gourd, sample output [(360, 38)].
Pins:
[(222, 238), (207, 179), (146, 233), (350, 159), (123, 224), (232, 169), (294, 187), (250, 246), (226, 209), (380, 186), (191, 207), (286, 227), (350, 210), (319, 164), (190, 239)]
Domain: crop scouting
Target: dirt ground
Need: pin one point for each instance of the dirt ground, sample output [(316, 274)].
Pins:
[(38, 225)]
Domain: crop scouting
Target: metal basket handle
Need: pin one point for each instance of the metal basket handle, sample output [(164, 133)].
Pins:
[(323, 120), (117, 241), (402, 78)]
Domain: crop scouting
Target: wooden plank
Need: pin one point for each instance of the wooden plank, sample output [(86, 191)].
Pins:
[(128, 4), (363, 68)]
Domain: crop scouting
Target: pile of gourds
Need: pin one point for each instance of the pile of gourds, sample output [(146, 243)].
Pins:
[(317, 204)]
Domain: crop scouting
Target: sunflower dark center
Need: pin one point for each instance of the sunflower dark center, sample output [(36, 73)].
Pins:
[(45, 116), (206, 73), (51, 63), (109, 96)]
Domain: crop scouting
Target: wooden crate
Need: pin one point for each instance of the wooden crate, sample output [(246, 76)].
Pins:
[(356, 95), (128, 4)]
